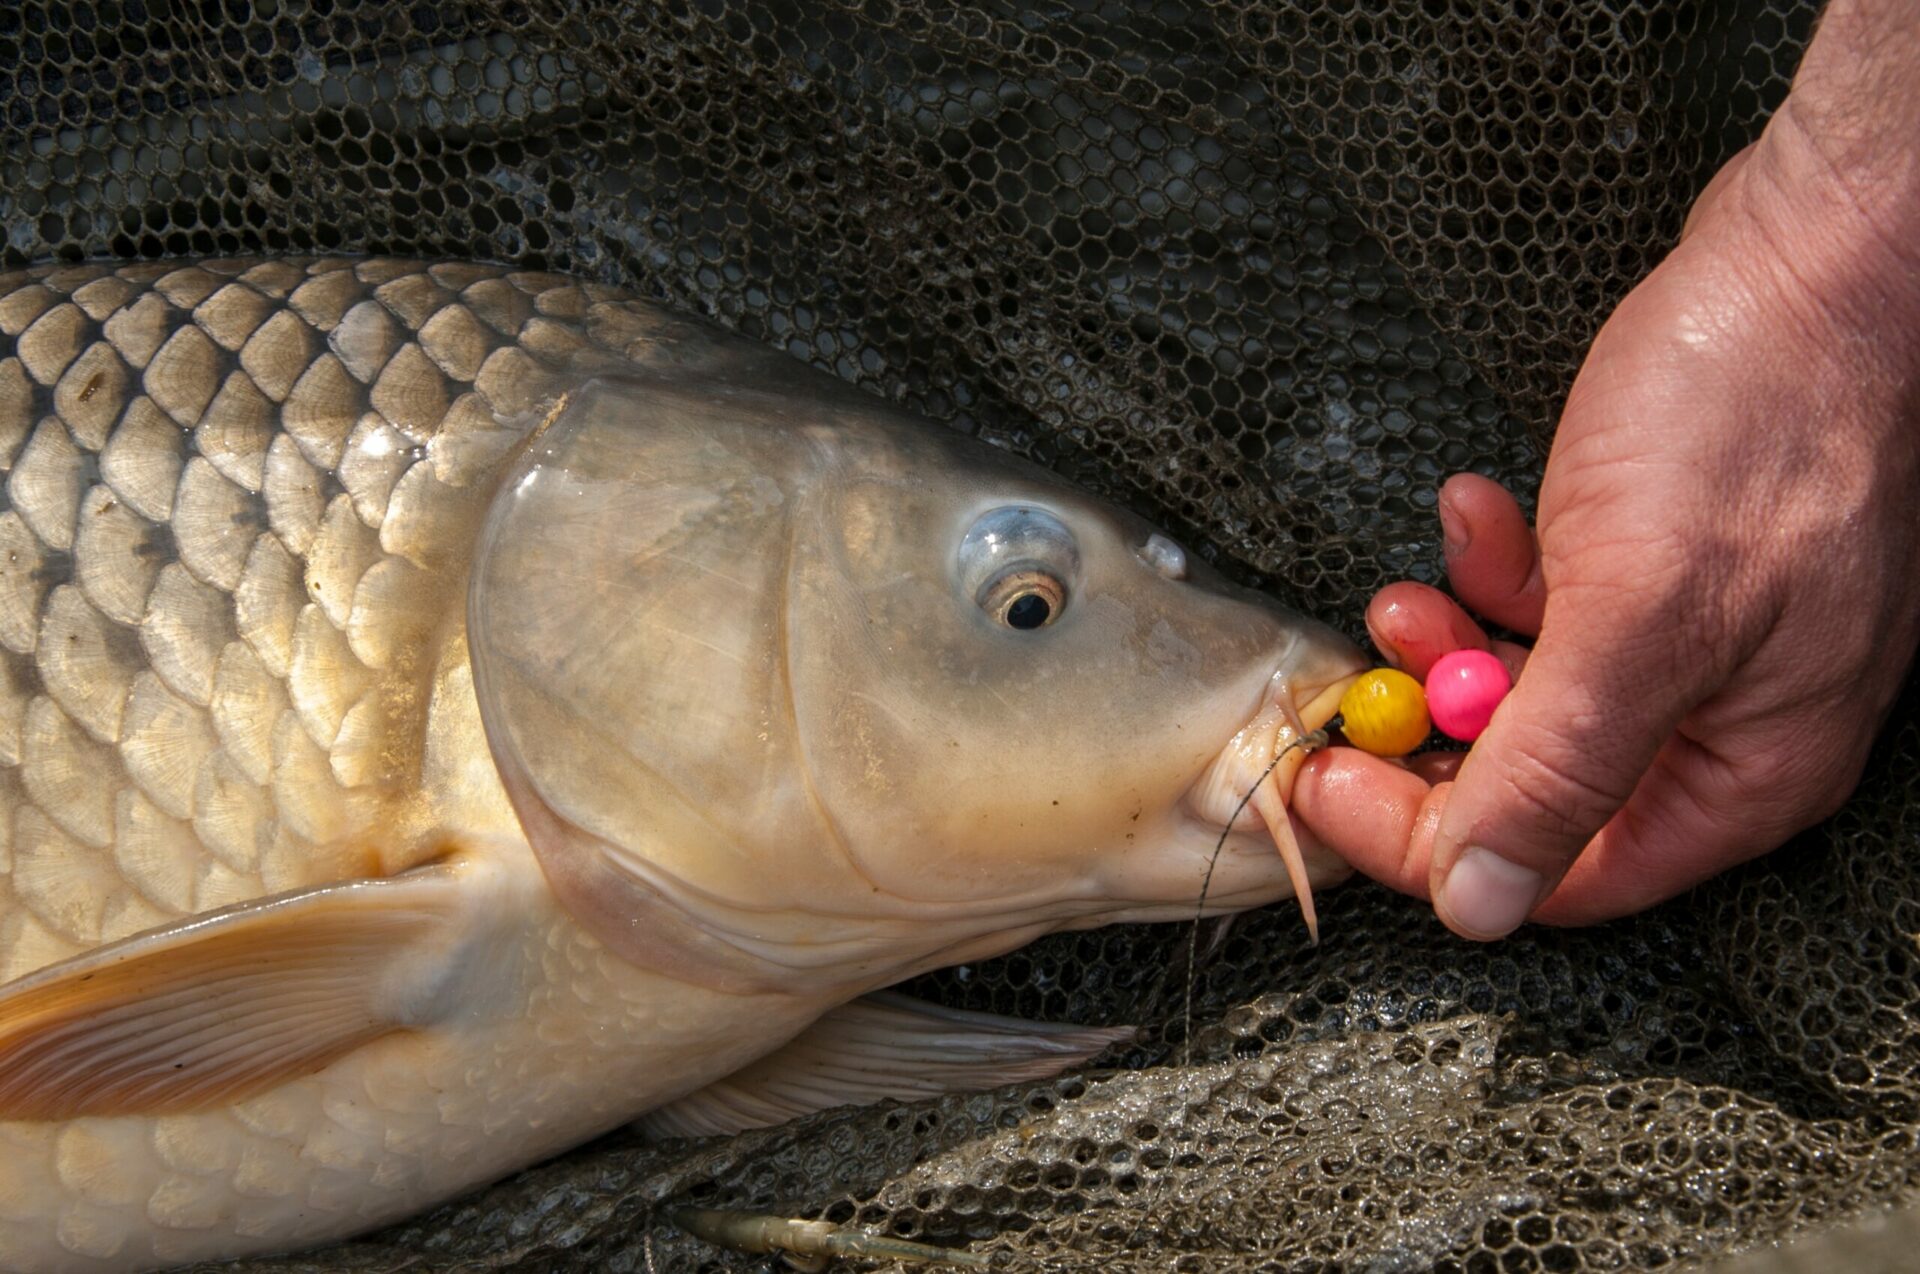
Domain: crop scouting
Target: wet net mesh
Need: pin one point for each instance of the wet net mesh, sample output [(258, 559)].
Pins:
[(1266, 273)]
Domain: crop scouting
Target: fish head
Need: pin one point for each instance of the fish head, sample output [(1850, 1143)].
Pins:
[(1011, 689), (789, 689)]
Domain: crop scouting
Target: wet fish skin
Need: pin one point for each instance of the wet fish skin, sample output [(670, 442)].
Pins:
[(241, 496), (234, 489), (242, 503)]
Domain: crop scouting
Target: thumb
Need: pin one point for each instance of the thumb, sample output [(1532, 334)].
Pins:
[(1597, 699)]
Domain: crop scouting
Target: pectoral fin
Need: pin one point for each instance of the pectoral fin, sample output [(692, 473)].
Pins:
[(881, 1047), (226, 1005)]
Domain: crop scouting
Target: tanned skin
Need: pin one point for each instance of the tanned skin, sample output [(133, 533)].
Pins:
[(1723, 588)]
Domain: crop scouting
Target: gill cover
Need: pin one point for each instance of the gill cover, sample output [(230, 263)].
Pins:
[(625, 621)]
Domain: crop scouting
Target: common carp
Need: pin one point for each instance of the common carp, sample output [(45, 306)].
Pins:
[(447, 712)]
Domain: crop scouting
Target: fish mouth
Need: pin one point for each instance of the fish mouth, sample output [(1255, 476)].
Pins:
[(1248, 786)]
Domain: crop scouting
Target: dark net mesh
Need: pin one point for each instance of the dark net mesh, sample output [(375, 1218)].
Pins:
[(1267, 273)]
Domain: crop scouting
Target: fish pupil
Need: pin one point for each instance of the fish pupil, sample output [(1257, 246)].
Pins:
[(1029, 610)]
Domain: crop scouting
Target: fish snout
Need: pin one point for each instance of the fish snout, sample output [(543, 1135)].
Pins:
[(1249, 784), (1302, 694)]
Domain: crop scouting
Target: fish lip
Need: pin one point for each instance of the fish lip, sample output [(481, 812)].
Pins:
[(1252, 776), (1313, 704), (1323, 704)]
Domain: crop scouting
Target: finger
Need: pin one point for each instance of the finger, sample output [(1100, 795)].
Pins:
[(1513, 655), (1697, 814), (1600, 694), (1436, 767), (1493, 561), (1374, 814), (1622, 871), (1414, 624)]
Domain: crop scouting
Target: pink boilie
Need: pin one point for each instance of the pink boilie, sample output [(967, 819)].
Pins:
[(1463, 689)]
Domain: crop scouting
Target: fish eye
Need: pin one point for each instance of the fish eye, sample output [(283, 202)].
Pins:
[(1018, 564), (1024, 599)]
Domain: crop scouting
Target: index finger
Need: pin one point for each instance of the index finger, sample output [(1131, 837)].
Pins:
[(1376, 815)]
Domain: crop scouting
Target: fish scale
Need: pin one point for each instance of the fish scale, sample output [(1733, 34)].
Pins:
[(227, 483), (231, 492)]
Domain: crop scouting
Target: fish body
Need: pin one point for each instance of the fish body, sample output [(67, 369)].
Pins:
[(449, 711)]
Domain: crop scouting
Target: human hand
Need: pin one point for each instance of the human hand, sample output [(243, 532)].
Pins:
[(1726, 585)]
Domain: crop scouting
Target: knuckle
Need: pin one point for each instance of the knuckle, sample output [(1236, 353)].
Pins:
[(1557, 797)]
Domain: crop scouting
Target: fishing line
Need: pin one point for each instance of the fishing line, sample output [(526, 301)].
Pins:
[(1311, 741), (1315, 740)]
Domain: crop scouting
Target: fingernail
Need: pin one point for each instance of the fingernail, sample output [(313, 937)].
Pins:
[(1487, 896), (1454, 530)]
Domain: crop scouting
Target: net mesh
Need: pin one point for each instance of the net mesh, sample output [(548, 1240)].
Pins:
[(1266, 273)]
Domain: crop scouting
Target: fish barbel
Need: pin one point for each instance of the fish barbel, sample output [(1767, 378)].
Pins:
[(447, 712)]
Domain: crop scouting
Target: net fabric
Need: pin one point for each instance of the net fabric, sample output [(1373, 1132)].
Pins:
[(1266, 273)]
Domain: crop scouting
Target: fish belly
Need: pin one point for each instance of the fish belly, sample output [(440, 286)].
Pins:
[(576, 1040)]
